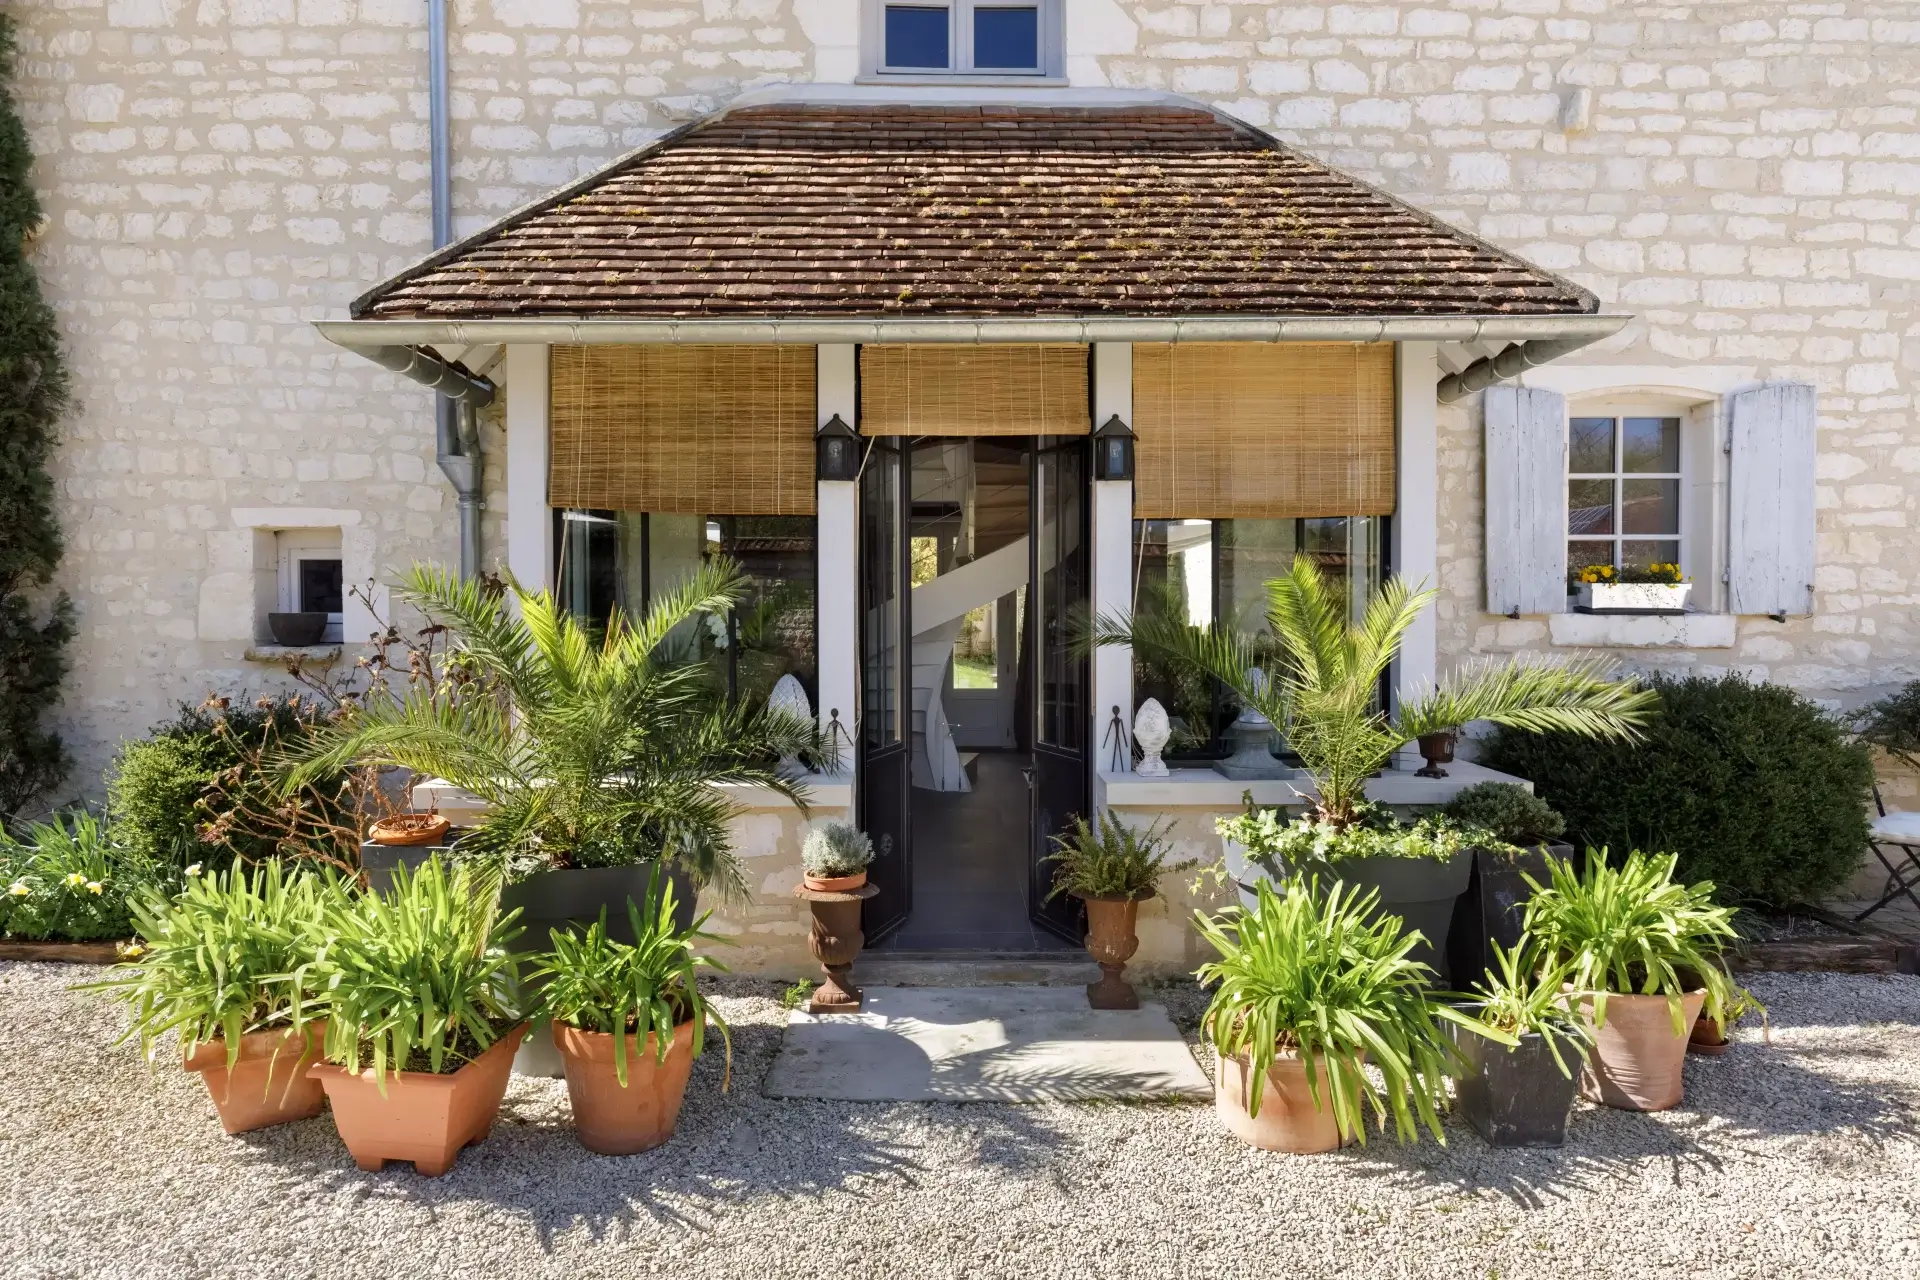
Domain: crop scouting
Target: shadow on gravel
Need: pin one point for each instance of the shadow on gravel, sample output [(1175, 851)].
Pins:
[(728, 1149), (1734, 1106)]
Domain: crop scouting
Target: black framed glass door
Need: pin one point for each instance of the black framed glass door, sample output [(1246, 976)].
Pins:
[(1060, 584), (886, 699)]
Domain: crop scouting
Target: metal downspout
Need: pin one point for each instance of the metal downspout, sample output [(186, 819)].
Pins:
[(456, 431)]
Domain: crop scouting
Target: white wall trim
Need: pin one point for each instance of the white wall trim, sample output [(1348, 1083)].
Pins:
[(837, 551), (529, 446), (1416, 513), (1112, 560)]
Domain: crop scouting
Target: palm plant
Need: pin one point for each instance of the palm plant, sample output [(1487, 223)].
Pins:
[(1321, 975), (1631, 930), (647, 988), (590, 749), (1325, 689)]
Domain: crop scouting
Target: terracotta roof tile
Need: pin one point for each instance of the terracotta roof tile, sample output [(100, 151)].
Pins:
[(853, 211)]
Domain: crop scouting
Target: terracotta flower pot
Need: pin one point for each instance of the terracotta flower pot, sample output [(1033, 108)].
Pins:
[(269, 1084), (1636, 1060), (421, 1117), (835, 884), (616, 1121), (1707, 1040), (1111, 941), (1288, 1120), (407, 829)]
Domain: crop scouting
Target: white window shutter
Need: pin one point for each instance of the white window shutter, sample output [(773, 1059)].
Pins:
[(1526, 533), (1770, 539)]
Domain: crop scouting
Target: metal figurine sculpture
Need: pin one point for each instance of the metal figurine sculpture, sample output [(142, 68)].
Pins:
[(1152, 730), (1117, 735)]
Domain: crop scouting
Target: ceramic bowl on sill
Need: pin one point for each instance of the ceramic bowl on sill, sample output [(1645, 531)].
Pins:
[(1633, 597), (296, 630)]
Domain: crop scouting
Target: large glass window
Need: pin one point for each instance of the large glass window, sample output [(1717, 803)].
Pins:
[(1623, 492), (626, 558), (1198, 572)]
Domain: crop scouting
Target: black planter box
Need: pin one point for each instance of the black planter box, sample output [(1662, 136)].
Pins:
[(1494, 906), (552, 899), (1515, 1097)]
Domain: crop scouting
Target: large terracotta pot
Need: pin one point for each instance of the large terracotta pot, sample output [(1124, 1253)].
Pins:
[(421, 1117), (1636, 1060), (1708, 1039), (269, 1084), (1288, 1120), (1111, 941), (616, 1121)]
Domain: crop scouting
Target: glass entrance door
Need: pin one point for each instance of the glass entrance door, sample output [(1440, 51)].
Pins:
[(1061, 685), (885, 772)]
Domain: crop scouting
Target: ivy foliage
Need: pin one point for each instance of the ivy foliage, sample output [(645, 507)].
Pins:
[(34, 629)]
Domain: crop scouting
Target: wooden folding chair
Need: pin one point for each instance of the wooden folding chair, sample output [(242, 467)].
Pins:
[(1892, 831)]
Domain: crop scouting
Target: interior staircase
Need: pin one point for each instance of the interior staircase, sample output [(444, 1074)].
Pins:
[(939, 609)]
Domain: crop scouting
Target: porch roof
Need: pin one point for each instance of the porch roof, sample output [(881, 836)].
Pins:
[(1128, 205)]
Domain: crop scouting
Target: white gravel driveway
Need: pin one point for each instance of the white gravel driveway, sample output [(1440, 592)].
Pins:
[(1795, 1159)]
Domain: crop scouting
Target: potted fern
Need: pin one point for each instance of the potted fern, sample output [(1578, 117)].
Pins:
[(1522, 836), (1325, 692), (1112, 871), (420, 998), (1649, 953), (1518, 1094), (629, 1020), (211, 966), (1309, 987)]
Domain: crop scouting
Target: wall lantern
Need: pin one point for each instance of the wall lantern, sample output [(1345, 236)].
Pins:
[(836, 451), (1113, 450)]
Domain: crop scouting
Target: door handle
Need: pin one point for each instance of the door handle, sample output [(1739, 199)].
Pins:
[(1026, 771)]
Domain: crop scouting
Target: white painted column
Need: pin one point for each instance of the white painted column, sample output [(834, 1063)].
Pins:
[(1112, 587), (838, 541), (1416, 514), (529, 445)]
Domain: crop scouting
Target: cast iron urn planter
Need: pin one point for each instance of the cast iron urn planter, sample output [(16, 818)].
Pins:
[(1111, 941), (835, 940)]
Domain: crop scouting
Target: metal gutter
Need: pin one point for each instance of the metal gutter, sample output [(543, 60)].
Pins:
[(456, 434), (367, 336), (1511, 363)]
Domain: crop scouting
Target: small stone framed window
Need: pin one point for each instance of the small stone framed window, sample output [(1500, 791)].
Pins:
[(972, 39), (311, 576)]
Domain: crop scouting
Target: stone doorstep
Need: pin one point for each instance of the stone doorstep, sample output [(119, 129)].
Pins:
[(984, 1044), (974, 969)]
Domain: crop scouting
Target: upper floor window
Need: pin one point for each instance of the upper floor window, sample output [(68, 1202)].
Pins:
[(963, 38), (1624, 491)]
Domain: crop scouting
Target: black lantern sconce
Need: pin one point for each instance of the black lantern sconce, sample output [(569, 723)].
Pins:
[(1113, 450), (836, 451)]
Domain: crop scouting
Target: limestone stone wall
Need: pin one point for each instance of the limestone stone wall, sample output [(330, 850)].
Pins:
[(1742, 176)]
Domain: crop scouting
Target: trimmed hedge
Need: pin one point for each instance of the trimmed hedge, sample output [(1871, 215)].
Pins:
[(1753, 786)]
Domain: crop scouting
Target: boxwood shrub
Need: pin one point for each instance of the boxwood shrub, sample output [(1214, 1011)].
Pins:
[(1751, 785)]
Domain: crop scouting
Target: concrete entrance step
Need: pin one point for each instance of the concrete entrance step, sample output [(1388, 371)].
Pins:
[(984, 1044), (975, 968)]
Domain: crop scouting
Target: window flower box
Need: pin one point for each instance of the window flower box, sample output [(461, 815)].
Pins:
[(1632, 597)]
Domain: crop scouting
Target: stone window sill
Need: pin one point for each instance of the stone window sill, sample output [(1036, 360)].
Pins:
[(1646, 631), (281, 652), (1206, 789)]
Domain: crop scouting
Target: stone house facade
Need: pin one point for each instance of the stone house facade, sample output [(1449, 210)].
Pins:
[(1739, 179)]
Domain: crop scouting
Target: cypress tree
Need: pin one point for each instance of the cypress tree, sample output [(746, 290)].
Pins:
[(34, 629)]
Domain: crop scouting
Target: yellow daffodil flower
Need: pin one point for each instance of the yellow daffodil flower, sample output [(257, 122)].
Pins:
[(19, 889), (95, 888), (194, 869), (76, 878)]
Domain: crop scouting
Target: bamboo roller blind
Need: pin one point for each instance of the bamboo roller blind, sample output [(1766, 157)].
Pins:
[(693, 430), (1263, 430), (988, 390)]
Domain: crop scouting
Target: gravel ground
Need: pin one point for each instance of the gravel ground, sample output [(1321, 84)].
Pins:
[(1794, 1159)]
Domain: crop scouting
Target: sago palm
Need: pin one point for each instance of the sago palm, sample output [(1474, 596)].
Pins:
[(590, 749), (1324, 689)]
